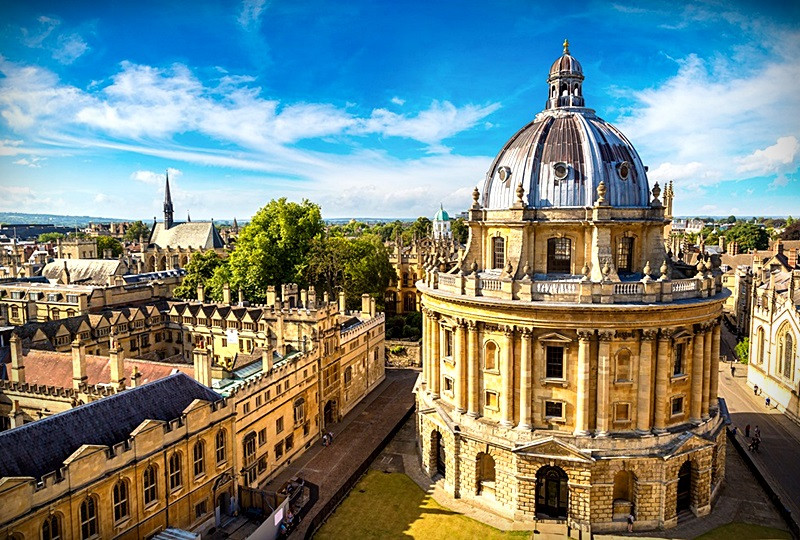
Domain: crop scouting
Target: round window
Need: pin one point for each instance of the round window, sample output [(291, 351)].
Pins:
[(560, 170), (624, 170), (504, 174)]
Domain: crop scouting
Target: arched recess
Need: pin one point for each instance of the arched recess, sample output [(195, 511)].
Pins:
[(490, 355), (552, 492), (438, 463), (622, 365), (683, 499), (624, 494), (485, 474)]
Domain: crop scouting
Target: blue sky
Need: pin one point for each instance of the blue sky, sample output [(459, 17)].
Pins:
[(380, 109)]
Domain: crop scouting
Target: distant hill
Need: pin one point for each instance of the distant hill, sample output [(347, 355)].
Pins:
[(15, 218)]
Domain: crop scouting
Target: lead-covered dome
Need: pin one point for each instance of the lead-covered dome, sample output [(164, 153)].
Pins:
[(562, 156)]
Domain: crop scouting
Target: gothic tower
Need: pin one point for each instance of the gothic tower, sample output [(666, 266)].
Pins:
[(167, 206)]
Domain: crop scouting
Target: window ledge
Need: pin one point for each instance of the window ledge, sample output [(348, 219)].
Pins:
[(555, 381), (492, 371), (555, 419), (679, 378), (623, 382)]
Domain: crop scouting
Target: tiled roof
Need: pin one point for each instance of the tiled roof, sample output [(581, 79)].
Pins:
[(51, 368), (84, 271), (41, 447), (195, 234)]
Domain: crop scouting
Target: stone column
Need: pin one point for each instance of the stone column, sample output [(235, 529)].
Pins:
[(426, 348), (473, 370), (707, 336), (644, 394), (583, 383), (526, 350), (698, 349), (662, 379), (507, 374), (435, 357), (715, 342), (603, 381), (461, 371)]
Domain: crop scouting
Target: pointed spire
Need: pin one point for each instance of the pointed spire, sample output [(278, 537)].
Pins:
[(235, 226), (168, 209), (188, 217)]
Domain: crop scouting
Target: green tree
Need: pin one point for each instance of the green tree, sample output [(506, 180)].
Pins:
[(51, 237), (136, 230), (272, 248), (742, 350), (731, 219), (201, 268), (460, 230), (792, 231), (107, 242), (748, 236)]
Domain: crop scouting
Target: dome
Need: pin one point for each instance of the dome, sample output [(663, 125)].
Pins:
[(441, 215), (562, 156)]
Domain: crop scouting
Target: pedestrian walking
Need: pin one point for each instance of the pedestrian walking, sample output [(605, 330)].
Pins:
[(755, 389), (747, 431), (767, 402), (757, 432), (733, 370), (330, 437), (325, 439), (631, 519)]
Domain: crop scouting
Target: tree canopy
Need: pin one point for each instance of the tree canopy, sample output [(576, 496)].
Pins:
[(200, 270), (748, 236), (107, 242), (137, 229), (792, 231), (51, 237), (460, 230)]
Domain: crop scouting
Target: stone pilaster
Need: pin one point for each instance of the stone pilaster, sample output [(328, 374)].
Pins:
[(473, 370), (706, 369), (714, 384), (461, 367), (584, 378), (436, 349), (662, 379), (426, 345), (698, 349), (507, 373), (603, 381), (525, 368), (643, 396)]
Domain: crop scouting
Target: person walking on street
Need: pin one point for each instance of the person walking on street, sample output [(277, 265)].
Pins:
[(757, 432), (767, 401), (630, 522), (733, 370), (755, 389)]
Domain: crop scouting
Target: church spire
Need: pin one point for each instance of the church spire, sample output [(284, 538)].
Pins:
[(168, 210)]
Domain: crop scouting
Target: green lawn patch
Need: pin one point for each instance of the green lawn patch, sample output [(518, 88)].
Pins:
[(743, 531), (392, 506)]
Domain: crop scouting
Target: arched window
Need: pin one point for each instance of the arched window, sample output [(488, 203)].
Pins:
[(299, 411), (348, 376), (249, 447), (70, 313), (623, 365), (490, 356), (559, 255), (121, 507), (89, 518), (56, 314), (150, 485), (760, 343), (51, 528), (498, 252), (175, 480), (786, 354), (198, 452), (410, 302), (405, 279), (222, 456)]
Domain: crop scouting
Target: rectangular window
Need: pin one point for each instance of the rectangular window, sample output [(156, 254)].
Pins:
[(448, 343), (677, 368), (279, 450), (448, 385), (262, 464), (246, 407), (555, 363), (289, 442), (491, 401), (622, 412), (553, 409), (258, 401), (625, 255), (262, 437), (279, 425), (559, 254), (677, 405), (498, 252), (200, 509)]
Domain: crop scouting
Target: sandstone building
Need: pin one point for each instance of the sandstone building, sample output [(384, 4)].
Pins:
[(570, 368), (166, 462)]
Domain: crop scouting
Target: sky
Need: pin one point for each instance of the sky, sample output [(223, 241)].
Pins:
[(380, 109)]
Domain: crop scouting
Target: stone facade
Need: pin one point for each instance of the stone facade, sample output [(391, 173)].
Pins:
[(570, 366)]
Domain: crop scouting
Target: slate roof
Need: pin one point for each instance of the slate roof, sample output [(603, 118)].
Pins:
[(85, 271), (195, 234), (41, 447)]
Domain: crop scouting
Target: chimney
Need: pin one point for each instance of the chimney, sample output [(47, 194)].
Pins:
[(372, 307), (79, 376), (734, 248), (17, 360), (135, 376), (778, 247), (722, 244), (270, 295), (325, 298), (202, 366), (342, 303), (117, 360), (793, 261), (266, 360), (241, 297), (304, 299), (312, 298), (365, 302), (201, 294), (226, 294)]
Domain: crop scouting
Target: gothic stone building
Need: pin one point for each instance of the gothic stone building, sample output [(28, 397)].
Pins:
[(570, 371)]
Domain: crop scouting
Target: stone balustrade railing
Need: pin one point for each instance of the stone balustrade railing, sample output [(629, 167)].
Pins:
[(575, 290)]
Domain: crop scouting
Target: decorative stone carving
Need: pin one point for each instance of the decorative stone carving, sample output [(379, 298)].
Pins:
[(649, 334), (475, 196), (605, 335), (601, 193)]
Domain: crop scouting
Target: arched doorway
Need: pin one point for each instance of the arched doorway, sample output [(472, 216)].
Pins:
[(438, 449), (552, 492), (329, 412), (684, 498), (622, 503), (486, 475), (223, 507)]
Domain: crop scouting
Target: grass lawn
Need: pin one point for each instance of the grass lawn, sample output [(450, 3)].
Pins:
[(743, 531), (392, 506)]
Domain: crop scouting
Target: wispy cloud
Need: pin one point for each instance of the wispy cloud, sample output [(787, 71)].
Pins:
[(779, 158), (65, 47), (70, 47), (250, 13)]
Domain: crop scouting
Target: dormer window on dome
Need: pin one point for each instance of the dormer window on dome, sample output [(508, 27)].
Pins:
[(624, 170)]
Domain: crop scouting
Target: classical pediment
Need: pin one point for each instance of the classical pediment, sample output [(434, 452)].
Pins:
[(686, 443), (552, 448), (555, 337)]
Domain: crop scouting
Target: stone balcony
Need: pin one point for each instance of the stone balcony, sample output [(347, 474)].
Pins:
[(574, 289)]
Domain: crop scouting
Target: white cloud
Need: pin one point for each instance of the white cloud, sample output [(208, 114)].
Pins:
[(35, 38), (32, 161), (251, 12), (779, 158), (70, 47), (16, 198), (154, 178), (398, 101)]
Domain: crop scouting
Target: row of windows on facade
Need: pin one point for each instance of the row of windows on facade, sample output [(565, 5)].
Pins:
[(554, 359), (255, 467), (786, 351), (35, 295), (52, 526), (559, 254), (279, 388)]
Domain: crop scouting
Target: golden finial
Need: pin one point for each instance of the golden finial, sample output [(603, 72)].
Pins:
[(566, 46)]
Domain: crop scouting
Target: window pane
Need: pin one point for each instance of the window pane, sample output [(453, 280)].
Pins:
[(555, 362)]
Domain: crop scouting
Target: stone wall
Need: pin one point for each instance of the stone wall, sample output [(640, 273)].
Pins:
[(410, 356)]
